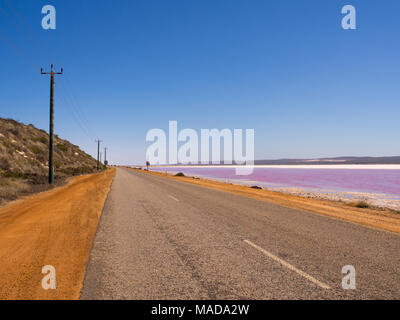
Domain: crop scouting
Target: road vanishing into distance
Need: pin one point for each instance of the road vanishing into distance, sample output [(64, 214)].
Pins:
[(160, 238)]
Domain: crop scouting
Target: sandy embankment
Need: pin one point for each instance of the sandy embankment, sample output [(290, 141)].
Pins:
[(52, 228), (381, 219)]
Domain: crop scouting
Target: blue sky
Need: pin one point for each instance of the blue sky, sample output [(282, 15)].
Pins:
[(285, 68)]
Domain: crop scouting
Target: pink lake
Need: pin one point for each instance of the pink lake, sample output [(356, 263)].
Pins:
[(383, 181)]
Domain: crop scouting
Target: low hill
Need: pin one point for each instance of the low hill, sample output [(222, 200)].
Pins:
[(24, 159)]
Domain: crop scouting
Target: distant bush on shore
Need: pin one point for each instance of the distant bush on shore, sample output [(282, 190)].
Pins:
[(180, 174), (360, 204)]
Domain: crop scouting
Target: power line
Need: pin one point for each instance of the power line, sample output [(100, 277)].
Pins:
[(64, 94), (19, 29), (33, 35), (79, 108), (69, 97), (74, 109), (73, 113), (15, 48), (28, 60)]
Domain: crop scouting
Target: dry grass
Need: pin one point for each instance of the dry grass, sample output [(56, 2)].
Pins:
[(24, 149), (10, 189), (24, 160)]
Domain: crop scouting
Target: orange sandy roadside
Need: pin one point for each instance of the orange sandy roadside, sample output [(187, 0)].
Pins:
[(51, 228), (380, 219)]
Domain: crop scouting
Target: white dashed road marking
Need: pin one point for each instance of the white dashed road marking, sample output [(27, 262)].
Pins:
[(289, 266), (173, 198)]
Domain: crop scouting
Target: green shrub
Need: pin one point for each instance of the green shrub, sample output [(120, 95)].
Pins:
[(17, 175), (36, 150), (62, 147), (179, 174), (41, 140), (362, 204)]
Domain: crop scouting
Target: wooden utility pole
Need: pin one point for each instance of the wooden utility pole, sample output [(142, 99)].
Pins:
[(98, 154), (51, 133)]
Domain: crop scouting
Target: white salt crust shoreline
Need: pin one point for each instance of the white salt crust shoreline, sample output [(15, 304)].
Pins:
[(302, 166), (379, 200), (374, 199)]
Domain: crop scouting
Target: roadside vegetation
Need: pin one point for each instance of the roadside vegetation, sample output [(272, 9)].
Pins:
[(24, 160), (361, 204), (180, 174)]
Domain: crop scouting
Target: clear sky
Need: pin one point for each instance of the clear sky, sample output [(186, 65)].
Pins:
[(285, 68)]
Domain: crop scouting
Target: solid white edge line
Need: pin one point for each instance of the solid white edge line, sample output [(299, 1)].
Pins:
[(288, 265), (173, 198)]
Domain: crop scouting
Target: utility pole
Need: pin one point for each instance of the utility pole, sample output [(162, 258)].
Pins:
[(98, 154), (51, 133), (105, 156)]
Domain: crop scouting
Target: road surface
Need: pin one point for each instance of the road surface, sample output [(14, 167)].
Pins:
[(164, 239)]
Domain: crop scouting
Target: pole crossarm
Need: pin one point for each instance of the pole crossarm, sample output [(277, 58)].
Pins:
[(52, 71)]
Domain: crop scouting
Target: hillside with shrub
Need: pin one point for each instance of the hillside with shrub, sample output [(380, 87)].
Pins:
[(24, 160)]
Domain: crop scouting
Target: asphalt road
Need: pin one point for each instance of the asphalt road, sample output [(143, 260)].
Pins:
[(165, 239)]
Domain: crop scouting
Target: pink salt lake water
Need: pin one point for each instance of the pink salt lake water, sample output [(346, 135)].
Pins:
[(379, 179)]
